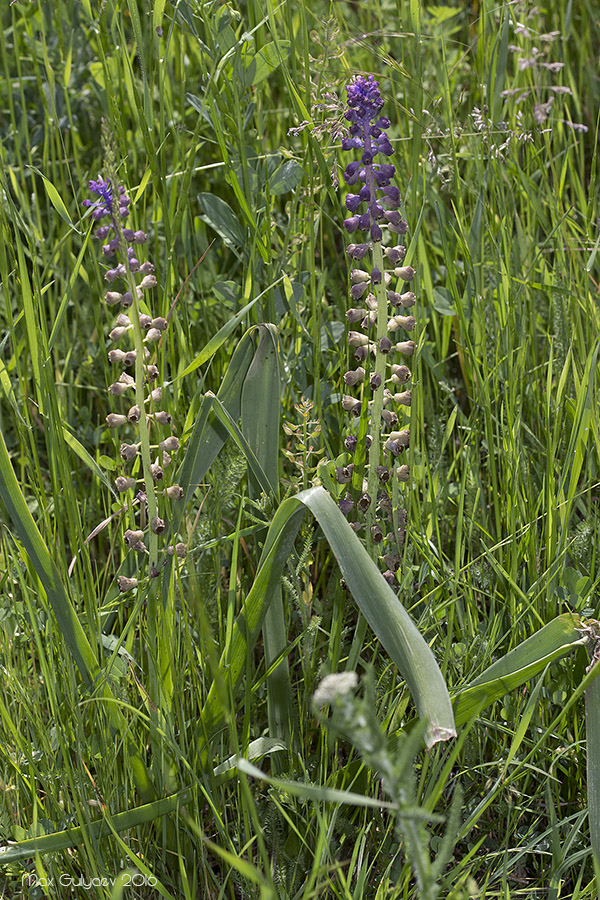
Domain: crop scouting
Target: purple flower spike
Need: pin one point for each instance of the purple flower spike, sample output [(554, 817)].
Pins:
[(104, 190), (364, 97)]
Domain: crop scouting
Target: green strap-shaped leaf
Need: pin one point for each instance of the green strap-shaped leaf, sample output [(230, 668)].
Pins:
[(376, 600), (556, 639), (34, 544), (261, 424), (61, 840), (592, 733)]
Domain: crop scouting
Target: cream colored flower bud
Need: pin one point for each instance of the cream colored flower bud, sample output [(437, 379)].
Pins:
[(170, 444), (400, 374), (127, 379), (124, 484), (156, 395), (401, 437), (148, 281), (403, 473), (406, 322), (118, 333), (160, 322), (166, 460), (407, 348), (357, 276), (174, 492), (156, 471), (157, 525), (355, 376), (350, 404), (180, 549), (153, 334), (118, 388), (404, 399), (126, 584), (113, 420), (116, 356), (127, 452), (133, 537), (408, 299), (112, 298), (406, 273), (356, 339), (162, 417)]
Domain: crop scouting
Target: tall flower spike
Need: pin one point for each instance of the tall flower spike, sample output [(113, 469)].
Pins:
[(374, 207), (112, 204)]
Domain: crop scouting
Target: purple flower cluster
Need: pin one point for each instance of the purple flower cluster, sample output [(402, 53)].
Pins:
[(369, 210), (143, 331), (117, 210), (379, 303)]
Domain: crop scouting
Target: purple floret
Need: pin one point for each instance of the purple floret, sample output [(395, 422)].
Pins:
[(104, 190)]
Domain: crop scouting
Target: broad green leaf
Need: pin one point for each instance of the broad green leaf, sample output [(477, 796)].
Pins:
[(559, 637), (286, 177), (257, 473), (261, 405), (261, 424), (378, 603), (55, 199), (263, 63), (157, 13), (592, 730), (220, 216)]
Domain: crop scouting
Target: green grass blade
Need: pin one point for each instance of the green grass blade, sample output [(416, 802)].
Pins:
[(45, 568), (61, 840), (313, 791)]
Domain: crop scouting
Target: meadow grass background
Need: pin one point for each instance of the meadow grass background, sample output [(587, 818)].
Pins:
[(494, 110)]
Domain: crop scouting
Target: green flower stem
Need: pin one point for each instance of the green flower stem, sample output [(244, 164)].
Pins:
[(376, 409), (143, 423)]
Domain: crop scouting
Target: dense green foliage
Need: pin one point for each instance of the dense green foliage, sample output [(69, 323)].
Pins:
[(226, 122)]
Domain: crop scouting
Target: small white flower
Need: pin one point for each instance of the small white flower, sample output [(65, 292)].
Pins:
[(334, 686)]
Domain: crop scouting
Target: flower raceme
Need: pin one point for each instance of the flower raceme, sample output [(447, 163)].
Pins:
[(380, 302), (144, 420)]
